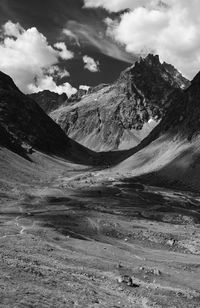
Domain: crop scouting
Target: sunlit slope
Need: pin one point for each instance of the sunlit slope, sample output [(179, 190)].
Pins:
[(119, 116)]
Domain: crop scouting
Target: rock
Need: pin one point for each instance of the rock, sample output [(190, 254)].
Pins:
[(120, 279), (49, 101), (121, 289), (171, 242), (130, 282), (119, 265), (157, 272)]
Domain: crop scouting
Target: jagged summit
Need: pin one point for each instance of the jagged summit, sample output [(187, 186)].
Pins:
[(170, 154), (151, 59), (150, 71), (120, 115)]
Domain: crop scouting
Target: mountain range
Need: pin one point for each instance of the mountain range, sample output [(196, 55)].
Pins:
[(149, 118), (120, 115), (120, 216)]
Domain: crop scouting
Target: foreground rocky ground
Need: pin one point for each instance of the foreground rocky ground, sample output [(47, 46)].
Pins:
[(81, 240)]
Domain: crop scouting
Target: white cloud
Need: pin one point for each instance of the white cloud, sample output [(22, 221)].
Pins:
[(91, 64), (88, 35), (64, 53), (71, 35), (56, 72), (83, 87), (26, 56), (48, 83), (169, 28), (115, 5), (12, 29)]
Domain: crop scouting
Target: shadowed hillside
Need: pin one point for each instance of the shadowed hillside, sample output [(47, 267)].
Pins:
[(26, 122)]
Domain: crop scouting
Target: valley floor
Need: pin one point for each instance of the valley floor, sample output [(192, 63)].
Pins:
[(68, 235)]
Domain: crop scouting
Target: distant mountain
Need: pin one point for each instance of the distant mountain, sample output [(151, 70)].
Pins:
[(49, 101), (120, 115), (22, 121)]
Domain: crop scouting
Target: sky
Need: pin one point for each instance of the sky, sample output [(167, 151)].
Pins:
[(62, 45)]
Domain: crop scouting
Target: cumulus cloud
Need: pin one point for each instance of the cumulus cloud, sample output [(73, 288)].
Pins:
[(90, 64), (27, 57), (169, 28), (12, 29), (56, 72), (83, 87), (64, 53), (48, 83)]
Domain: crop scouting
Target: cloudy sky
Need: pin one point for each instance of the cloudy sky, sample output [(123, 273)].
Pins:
[(60, 45)]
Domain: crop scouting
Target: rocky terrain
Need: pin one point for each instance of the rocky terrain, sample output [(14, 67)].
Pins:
[(119, 230), (70, 237), (120, 115), (49, 101)]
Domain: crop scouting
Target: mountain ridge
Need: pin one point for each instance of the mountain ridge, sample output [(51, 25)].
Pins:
[(23, 121), (119, 116), (48, 100)]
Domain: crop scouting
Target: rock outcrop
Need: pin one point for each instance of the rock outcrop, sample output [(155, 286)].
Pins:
[(49, 101), (119, 116)]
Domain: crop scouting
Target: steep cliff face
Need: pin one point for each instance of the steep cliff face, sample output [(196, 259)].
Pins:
[(170, 154), (183, 118), (120, 115), (23, 121), (49, 101)]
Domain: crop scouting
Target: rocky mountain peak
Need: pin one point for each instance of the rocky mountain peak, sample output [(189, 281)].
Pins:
[(182, 118), (120, 115), (152, 67), (151, 59), (155, 80)]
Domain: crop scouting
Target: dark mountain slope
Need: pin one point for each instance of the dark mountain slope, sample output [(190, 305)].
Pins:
[(184, 115), (120, 115), (26, 122), (49, 101), (7, 141)]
